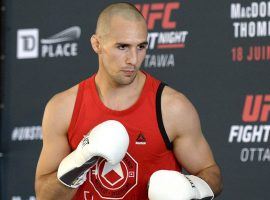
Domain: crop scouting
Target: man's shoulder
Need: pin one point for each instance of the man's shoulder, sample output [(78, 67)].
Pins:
[(176, 106), (172, 97), (66, 96), (63, 102), (59, 109), (179, 115)]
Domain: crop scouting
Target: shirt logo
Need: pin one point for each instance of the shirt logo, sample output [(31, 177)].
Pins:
[(114, 181), (140, 139)]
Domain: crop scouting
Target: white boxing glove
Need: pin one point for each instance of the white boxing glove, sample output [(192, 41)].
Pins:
[(172, 185), (108, 140)]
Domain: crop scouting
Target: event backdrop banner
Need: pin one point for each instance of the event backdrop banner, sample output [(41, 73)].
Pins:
[(217, 53)]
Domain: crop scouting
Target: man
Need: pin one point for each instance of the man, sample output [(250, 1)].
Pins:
[(86, 152)]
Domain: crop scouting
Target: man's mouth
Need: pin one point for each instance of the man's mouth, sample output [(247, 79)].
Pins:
[(128, 71)]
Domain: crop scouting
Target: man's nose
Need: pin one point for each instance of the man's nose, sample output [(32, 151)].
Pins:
[(132, 57)]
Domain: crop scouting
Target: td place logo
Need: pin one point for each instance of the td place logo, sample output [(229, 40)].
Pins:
[(61, 44)]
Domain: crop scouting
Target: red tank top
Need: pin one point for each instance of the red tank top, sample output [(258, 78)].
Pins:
[(149, 149)]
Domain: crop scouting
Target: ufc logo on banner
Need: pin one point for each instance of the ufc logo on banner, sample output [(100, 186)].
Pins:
[(158, 12), (256, 108)]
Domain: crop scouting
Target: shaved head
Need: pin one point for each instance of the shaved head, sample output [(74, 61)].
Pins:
[(121, 43), (126, 11)]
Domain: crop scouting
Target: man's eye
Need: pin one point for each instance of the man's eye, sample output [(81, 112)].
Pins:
[(122, 47), (141, 47)]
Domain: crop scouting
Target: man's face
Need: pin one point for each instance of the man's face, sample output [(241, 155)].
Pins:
[(123, 50)]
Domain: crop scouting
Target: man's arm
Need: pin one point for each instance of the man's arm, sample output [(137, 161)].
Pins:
[(182, 124), (55, 123)]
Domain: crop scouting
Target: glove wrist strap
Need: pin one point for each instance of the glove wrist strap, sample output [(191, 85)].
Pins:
[(202, 189)]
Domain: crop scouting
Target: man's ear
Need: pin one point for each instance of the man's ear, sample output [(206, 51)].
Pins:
[(95, 42)]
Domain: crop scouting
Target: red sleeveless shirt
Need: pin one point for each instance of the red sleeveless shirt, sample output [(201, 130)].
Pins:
[(149, 149)]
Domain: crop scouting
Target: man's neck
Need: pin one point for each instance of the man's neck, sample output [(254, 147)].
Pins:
[(119, 97)]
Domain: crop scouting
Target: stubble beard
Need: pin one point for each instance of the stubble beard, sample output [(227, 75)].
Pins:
[(125, 80)]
